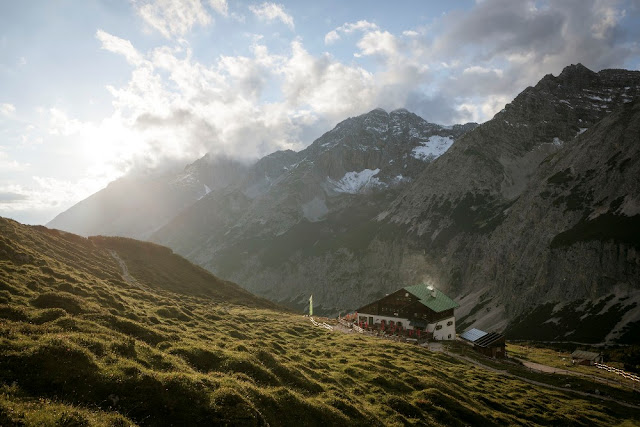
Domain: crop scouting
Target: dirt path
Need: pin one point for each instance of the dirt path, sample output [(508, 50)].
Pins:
[(546, 369), (551, 370), (508, 374), (125, 271)]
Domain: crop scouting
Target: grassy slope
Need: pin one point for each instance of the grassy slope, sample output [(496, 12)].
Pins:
[(81, 346)]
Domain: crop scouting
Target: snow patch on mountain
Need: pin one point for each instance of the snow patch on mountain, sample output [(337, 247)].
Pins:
[(379, 128), (354, 182), (207, 190), (433, 148)]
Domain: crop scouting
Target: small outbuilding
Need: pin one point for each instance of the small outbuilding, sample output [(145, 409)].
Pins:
[(589, 358), (490, 344)]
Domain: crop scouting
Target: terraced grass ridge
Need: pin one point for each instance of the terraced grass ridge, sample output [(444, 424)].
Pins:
[(115, 332)]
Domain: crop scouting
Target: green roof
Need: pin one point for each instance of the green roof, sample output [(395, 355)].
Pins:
[(438, 303)]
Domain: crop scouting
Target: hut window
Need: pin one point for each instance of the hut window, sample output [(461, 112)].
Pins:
[(438, 327), (449, 323)]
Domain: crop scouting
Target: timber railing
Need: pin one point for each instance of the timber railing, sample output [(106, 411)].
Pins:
[(321, 324), (624, 374)]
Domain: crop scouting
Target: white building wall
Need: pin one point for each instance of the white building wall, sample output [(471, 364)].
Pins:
[(447, 332)]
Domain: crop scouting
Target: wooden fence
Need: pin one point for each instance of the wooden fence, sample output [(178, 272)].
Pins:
[(321, 324), (624, 374)]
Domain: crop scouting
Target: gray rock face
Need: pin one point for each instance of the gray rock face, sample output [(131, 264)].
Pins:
[(136, 206), (526, 219), (300, 223), (532, 214)]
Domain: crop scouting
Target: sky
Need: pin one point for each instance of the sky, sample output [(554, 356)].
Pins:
[(96, 89)]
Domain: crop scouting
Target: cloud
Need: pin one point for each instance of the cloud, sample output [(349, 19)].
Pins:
[(478, 70), (272, 12), (38, 201), (551, 37), (9, 165), (348, 28), (120, 46), (325, 86), (7, 109), (331, 37), (8, 197), (378, 43), (499, 47), (61, 124), (220, 6), (175, 17)]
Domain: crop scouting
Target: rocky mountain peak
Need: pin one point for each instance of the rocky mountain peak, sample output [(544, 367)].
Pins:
[(396, 146), (577, 72), (377, 111)]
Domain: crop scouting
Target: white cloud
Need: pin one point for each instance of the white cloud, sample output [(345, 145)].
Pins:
[(10, 165), (120, 46), (331, 37), (479, 110), (174, 17), (220, 6), (7, 109), (378, 43), (476, 69), (348, 28), (61, 124), (272, 12), (41, 199), (609, 18), (324, 85)]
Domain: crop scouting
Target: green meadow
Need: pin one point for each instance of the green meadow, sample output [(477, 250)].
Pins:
[(83, 344)]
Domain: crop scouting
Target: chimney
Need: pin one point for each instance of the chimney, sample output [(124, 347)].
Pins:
[(433, 290)]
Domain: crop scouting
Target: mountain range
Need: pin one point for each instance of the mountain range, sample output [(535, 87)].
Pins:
[(529, 220)]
